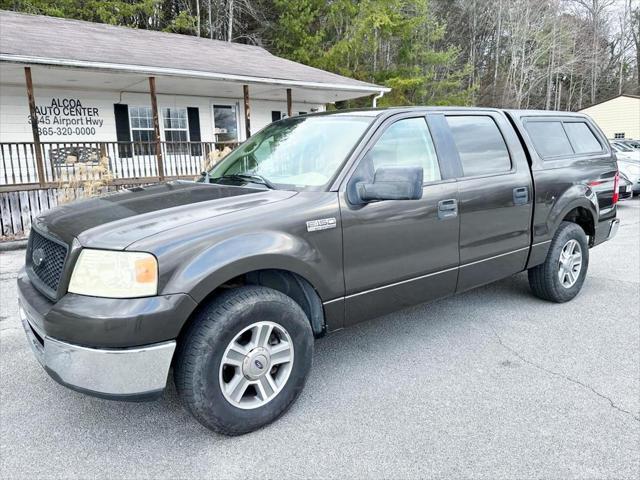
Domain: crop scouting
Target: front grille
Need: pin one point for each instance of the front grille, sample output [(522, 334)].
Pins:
[(45, 258)]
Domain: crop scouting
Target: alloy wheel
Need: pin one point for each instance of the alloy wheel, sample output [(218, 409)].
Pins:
[(570, 263), (256, 365)]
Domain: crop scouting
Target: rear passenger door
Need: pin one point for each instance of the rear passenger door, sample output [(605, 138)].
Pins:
[(495, 197)]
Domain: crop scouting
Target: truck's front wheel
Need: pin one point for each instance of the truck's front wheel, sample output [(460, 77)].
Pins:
[(244, 360), (561, 276)]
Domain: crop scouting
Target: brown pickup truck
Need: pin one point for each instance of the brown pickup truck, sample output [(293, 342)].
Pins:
[(313, 224)]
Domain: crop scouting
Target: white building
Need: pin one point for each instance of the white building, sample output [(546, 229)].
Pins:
[(618, 117), (93, 86)]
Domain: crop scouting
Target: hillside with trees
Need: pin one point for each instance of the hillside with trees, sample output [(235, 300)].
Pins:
[(549, 54)]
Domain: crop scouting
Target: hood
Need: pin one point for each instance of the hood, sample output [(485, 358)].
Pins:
[(116, 220), (630, 168), (629, 156)]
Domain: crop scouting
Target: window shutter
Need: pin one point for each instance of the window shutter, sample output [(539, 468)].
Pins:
[(194, 130), (123, 132)]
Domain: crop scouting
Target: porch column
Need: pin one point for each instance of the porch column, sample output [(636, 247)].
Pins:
[(34, 127), (247, 111), (156, 127), (289, 103)]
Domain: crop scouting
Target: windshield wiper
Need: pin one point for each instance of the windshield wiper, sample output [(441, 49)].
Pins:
[(254, 178)]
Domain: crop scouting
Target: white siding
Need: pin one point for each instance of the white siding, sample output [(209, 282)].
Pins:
[(618, 115), (14, 113)]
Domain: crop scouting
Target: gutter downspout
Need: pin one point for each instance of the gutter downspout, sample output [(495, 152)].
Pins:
[(377, 97)]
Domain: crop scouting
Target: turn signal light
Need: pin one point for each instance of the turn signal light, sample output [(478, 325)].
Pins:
[(146, 270), (616, 183)]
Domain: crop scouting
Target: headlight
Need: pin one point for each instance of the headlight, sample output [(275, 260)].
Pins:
[(105, 273)]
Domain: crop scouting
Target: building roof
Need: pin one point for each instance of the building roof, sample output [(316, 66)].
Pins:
[(37, 39), (609, 99)]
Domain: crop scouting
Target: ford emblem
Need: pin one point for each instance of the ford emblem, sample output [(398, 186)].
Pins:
[(38, 257), (259, 364)]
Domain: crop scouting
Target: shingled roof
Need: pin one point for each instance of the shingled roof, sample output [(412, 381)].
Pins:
[(37, 39)]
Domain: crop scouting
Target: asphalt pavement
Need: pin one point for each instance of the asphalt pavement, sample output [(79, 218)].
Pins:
[(490, 384)]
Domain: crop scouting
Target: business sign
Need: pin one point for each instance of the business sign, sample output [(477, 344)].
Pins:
[(68, 117)]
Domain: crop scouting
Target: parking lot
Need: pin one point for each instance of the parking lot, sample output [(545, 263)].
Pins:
[(491, 384)]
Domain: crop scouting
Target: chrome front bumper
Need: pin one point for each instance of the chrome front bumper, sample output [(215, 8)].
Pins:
[(133, 374)]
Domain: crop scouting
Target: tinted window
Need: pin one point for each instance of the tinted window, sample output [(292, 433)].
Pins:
[(549, 138), (582, 138), (407, 143), (480, 145)]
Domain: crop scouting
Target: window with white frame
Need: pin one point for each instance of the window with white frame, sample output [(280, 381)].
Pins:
[(618, 135), (176, 129), (141, 120), (225, 119)]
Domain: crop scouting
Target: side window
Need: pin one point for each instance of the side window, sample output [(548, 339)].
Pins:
[(549, 138), (225, 119), (582, 138), (407, 143), (142, 132), (480, 145)]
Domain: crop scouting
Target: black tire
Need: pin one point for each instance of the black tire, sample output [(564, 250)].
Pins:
[(200, 352), (544, 280)]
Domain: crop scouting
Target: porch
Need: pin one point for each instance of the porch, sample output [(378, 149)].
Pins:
[(88, 108), (31, 165), (72, 170)]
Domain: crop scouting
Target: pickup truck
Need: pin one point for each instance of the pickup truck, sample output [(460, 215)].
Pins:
[(315, 223)]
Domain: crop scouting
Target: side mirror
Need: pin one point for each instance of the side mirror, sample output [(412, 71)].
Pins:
[(392, 183)]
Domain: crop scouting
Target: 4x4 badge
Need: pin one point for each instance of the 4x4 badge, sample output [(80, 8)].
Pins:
[(321, 224)]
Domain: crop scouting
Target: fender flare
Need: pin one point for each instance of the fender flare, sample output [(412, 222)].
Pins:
[(223, 261), (577, 196)]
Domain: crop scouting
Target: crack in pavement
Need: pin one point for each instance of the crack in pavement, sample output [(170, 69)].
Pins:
[(560, 375)]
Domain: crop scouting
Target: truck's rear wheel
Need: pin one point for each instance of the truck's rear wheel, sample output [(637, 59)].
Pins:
[(561, 276), (244, 359)]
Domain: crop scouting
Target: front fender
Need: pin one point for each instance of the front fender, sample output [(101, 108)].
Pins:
[(253, 251)]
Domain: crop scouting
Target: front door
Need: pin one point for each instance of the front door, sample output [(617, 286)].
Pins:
[(400, 252)]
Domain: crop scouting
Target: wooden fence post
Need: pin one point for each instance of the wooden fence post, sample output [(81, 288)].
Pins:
[(247, 111), (156, 127), (34, 127), (289, 103)]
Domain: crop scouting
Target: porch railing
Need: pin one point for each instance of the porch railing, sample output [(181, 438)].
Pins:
[(81, 161)]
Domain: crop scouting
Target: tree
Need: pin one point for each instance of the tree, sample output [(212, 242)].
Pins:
[(634, 21), (562, 54), (390, 42), (134, 13), (298, 33)]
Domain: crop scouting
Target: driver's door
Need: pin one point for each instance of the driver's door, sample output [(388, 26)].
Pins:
[(399, 253)]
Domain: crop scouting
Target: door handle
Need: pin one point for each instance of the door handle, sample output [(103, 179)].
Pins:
[(447, 208), (521, 195)]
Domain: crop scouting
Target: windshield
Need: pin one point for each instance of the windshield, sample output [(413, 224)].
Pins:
[(298, 153)]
